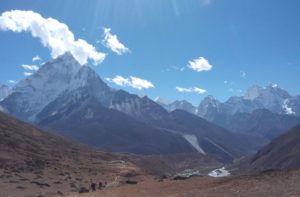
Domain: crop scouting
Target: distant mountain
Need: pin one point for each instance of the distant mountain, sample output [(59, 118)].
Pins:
[(262, 122), (89, 122), (73, 100), (282, 153), (209, 108), (271, 97), (183, 105), (4, 91)]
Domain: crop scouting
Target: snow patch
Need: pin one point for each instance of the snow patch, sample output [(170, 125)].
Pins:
[(188, 173), (192, 139), (221, 172), (288, 110)]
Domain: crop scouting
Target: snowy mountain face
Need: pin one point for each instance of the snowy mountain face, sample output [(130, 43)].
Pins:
[(59, 76), (4, 91), (209, 105), (270, 97), (31, 95), (291, 106), (142, 109)]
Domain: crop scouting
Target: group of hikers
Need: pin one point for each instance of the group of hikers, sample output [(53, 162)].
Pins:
[(93, 185)]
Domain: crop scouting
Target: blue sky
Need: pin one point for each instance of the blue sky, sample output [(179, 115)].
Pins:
[(246, 41)]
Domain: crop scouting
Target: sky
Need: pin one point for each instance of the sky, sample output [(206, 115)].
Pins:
[(173, 49)]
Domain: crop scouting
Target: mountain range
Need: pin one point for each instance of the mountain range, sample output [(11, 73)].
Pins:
[(271, 97), (71, 99), (261, 111), (68, 99)]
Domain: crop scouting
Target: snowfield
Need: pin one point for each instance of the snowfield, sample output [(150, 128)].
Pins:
[(221, 172)]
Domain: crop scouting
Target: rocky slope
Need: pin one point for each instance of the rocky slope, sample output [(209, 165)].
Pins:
[(34, 162), (262, 123), (282, 153)]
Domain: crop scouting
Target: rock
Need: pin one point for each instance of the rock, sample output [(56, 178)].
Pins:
[(180, 178), (83, 190), (59, 193), (40, 184), (131, 182)]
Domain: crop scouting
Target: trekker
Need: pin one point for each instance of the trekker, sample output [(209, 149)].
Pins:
[(100, 185), (93, 185)]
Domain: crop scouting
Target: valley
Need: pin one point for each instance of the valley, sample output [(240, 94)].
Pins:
[(114, 98), (63, 128)]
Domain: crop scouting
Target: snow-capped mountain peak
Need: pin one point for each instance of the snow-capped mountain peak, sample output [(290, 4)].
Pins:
[(35, 92)]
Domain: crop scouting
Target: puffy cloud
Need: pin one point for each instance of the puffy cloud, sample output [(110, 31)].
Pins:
[(30, 67), (36, 58), (191, 90), (200, 64), (112, 42), (52, 34), (133, 82), (27, 73)]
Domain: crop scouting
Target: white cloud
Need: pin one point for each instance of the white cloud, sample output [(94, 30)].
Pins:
[(200, 64), (52, 34), (178, 68), (133, 82), (27, 73), (36, 58), (243, 74), (112, 42), (206, 2), (239, 91), (191, 90), (30, 67), (11, 81)]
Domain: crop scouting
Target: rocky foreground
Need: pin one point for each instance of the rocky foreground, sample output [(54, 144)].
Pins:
[(272, 183)]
